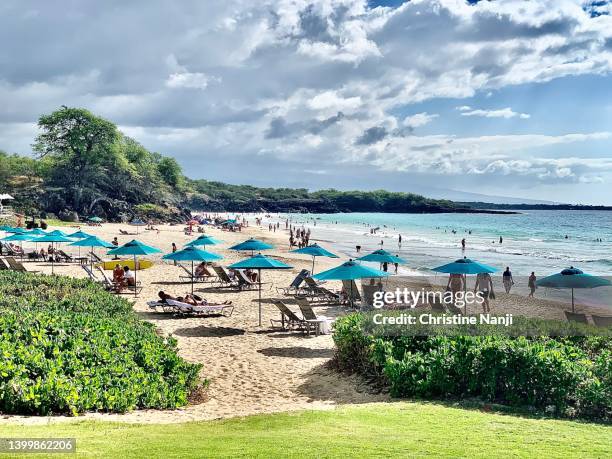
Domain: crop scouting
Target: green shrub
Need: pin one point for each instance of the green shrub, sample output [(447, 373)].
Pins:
[(67, 346), (568, 375)]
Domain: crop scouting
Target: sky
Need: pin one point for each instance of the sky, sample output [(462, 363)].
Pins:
[(507, 98)]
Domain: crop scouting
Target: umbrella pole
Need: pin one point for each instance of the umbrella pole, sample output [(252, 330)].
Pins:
[(135, 281), (192, 274), (259, 281), (313, 262)]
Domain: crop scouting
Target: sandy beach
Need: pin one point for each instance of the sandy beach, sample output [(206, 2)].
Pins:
[(251, 369)]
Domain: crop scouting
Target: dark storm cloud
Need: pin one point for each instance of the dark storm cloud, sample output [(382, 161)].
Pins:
[(280, 128)]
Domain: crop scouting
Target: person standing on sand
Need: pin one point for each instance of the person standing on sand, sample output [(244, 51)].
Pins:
[(484, 284), (463, 245), (501, 239), (507, 279), (396, 265), (532, 284), (358, 248), (385, 266), (174, 250), (399, 240)]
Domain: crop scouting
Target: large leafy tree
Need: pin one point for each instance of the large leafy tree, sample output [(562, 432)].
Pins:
[(82, 149)]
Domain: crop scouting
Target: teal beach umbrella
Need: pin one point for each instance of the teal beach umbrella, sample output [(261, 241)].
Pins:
[(260, 262), (58, 233), (464, 266), (95, 219), (134, 248), (91, 241), (350, 271), (137, 222), (204, 240), (80, 235), (315, 250), (192, 254), (253, 245), (382, 256), (53, 237), (37, 231), (572, 278)]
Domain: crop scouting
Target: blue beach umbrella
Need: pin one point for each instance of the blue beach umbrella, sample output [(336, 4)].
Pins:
[(350, 270), (572, 278), (252, 245), (53, 237), (134, 248), (192, 254), (80, 235), (381, 256), (464, 266), (315, 250), (57, 233), (137, 222), (204, 240), (37, 231), (260, 262), (91, 241)]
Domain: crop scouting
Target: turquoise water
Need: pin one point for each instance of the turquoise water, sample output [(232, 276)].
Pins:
[(532, 240)]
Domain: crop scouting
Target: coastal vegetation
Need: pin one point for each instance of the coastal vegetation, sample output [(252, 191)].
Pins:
[(69, 347), (546, 370), (374, 430), (83, 165)]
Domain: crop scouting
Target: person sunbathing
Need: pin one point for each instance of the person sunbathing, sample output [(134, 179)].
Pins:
[(201, 270), (163, 296)]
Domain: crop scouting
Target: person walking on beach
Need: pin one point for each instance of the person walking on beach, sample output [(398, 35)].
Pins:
[(396, 265), (174, 250), (385, 266), (358, 248), (484, 284), (501, 239), (507, 279), (532, 284), (463, 245), (399, 240), (455, 285)]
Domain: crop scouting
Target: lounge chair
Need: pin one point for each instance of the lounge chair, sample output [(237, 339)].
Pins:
[(17, 266), (67, 258), (110, 285), (294, 287), (224, 279), (181, 308), (4, 264), (290, 321), (602, 321), (207, 277), (95, 258), (315, 292), (351, 291), (574, 317), (244, 283), (323, 324)]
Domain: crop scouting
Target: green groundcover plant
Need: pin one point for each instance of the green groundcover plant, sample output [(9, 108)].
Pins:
[(561, 375), (67, 347)]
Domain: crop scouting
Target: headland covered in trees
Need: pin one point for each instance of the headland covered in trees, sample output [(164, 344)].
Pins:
[(84, 166)]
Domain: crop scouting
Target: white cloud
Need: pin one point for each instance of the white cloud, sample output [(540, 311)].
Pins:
[(419, 119), (188, 80), (499, 113)]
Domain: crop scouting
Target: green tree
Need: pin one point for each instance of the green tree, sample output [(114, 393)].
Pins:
[(171, 172), (81, 147)]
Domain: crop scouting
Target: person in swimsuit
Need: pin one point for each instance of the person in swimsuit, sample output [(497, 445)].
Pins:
[(484, 284)]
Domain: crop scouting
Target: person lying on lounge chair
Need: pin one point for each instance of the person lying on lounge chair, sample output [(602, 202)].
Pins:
[(251, 274), (163, 296), (201, 270)]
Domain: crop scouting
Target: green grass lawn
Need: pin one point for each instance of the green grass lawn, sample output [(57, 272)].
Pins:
[(382, 430)]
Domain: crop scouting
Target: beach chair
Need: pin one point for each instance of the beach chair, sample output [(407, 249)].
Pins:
[(290, 321), (4, 264), (110, 285), (602, 321), (315, 292), (294, 287), (17, 266), (574, 317), (183, 309), (322, 323), (224, 279), (95, 258), (67, 258), (207, 277), (244, 283), (7, 249), (165, 307)]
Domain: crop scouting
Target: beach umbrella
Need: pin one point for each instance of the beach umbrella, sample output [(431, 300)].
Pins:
[(252, 245), (315, 250), (260, 262), (12, 229), (134, 248), (57, 233), (381, 256), (80, 235), (37, 231), (350, 271), (91, 241), (19, 237), (204, 240), (95, 219), (53, 239), (192, 254), (137, 222), (572, 278), (464, 266)]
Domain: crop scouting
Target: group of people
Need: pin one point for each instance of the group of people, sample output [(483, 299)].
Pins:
[(123, 277), (299, 238)]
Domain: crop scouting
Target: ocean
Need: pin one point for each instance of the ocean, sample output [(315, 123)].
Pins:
[(544, 241)]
